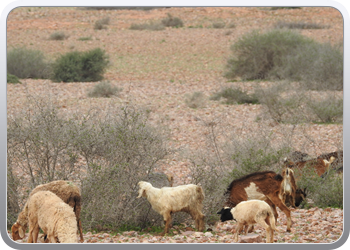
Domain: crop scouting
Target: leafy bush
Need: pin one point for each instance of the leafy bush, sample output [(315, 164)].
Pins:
[(233, 95), (324, 192), (12, 79), (27, 63), (196, 100), (284, 54), (255, 54), (77, 66), (103, 89), (171, 21)]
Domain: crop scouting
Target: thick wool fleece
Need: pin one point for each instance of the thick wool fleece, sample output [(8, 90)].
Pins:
[(65, 190), (57, 219)]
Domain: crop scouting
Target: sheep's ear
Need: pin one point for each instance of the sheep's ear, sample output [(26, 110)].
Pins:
[(221, 211), (141, 193), (21, 231)]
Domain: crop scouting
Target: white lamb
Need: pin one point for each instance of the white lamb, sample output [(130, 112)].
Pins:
[(250, 212), (168, 200), (56, 218)]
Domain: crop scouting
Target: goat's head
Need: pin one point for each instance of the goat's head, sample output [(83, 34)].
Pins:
[(300, 196), (225, 214), (143, 185), (18, 231)]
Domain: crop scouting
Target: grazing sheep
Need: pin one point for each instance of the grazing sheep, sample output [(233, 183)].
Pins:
[(66, 190), (56, 218), (250, 212), (168, 200)]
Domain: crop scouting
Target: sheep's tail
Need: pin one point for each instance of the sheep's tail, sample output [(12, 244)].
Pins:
[(200, 193)]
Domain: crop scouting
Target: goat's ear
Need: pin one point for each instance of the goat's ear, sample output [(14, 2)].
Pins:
[(221, 211)]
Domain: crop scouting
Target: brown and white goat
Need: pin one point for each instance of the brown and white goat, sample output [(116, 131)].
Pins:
[(320, 165), (66, 190), (265, 186), (168, 200)]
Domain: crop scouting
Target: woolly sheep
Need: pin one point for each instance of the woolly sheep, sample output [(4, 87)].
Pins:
[(66, 190), (168, 200), (56, 218), (250, 212)]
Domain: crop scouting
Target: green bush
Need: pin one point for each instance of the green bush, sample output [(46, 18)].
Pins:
[(317, 66), (326, 191), (103, 89), (27, 63), (12, 79), (233, 95), (285, 54), (255, 54), (77, 66)]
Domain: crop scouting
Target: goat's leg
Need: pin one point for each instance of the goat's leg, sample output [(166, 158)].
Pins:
[(274, 210), (265, 224), (35, 233), (167, 221), (284, 209)]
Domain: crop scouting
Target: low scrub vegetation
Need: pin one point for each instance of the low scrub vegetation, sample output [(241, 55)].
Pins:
[(284, 54), (299, 25), (104, 89), (12, 79), (28, 63), (58, 36), (171, 21), (101, 23), (147, 26), (195, 100), (232, 95)]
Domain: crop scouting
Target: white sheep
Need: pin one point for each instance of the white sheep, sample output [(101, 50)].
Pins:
[(65, 190), (247, 213), (57, 219), (168, 200)]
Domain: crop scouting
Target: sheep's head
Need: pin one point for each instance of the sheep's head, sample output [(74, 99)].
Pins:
[(18, 231), (143, 187), (225, 214)]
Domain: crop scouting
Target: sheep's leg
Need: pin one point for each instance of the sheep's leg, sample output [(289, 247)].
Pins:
[(34, 232), (264, 223), (284, 209), (52, 239), (274, 210), (199, 221), (239, 228)]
